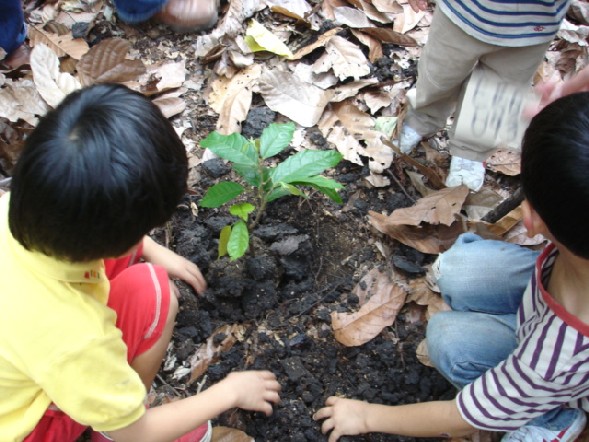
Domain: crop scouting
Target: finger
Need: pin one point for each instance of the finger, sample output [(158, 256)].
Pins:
[(327, 426), (334, 436), (322, 413), (272, 396), (331, 400), (267, 409)]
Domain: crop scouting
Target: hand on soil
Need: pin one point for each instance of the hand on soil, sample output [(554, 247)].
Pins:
[(343, 417), (254, 390), (177, 266)]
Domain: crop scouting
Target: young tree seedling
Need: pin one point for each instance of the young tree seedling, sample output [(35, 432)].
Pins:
[(264, 183)]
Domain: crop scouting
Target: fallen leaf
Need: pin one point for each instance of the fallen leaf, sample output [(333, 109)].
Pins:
[(428, 238), (384, 301), (301, 102), (226, 434), (170, 106), (107, 62), (440, 207), (209, 352), (232, 98), (422, 354), (258, 38), (51, 84), (504, 161), (387, 35), (21, 100), (351, 17), (345, 59), (62, 45), (319, 42)]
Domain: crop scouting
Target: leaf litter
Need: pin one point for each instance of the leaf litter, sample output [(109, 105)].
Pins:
[(337, 68)]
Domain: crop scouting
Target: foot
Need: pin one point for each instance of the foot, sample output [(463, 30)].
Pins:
[(529, 433), (189, 15), (19, 57), (467, 172), (408, 139)]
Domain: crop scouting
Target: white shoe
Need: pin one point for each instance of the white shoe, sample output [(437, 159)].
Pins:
[(408, 139), (467, 172), (529, 433)]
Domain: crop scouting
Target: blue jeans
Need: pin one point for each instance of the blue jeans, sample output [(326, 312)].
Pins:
[(135, 11), (483, 281), (12, 25)]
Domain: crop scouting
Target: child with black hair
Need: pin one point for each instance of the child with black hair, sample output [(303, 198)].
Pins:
[(517, 341), (83, 324)]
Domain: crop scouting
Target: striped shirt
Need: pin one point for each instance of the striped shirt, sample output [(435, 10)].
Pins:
[(548, 369), (508, 23)]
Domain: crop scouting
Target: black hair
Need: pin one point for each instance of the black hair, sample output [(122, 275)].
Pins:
[(97, 174), (555, 170)]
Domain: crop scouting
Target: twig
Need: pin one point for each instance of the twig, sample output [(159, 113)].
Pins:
[(505, 207), (392, 175)]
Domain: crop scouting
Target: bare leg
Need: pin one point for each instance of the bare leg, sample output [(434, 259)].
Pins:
[(148, 363)]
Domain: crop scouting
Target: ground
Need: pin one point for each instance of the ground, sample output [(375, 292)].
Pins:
[(272, 309)]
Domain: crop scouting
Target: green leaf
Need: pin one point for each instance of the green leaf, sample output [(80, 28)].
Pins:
[(276, 193), (221, 193), (331, 193), (242, 210), (239, 151), (319, 181), (304, 164), (223, 240), (275, 138), (238, 240)]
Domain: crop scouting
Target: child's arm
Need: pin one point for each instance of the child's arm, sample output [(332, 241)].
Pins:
[(176, 265), (347, 417), (250, 390)]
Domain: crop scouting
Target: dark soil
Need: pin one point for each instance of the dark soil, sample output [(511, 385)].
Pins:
[(307, 256)]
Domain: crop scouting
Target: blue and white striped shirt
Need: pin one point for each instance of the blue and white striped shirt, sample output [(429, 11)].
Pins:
[(508, 23), (548, 369)]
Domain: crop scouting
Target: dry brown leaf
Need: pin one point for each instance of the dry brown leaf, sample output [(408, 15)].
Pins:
[(226, 434), (440, 207), (318, 43), (21, 100), (51, 84), (170, 106), (432, 239), (422, 354), (351, 17), (478, 204), (387, 35), (343, 57), (328, 7), (301, 102), (209, 352), (62, 45), (232, 98), (371, 11), (505, 162), (386, 298), (434, 179), (107, 62), (519, 235), (374, 45), (408, 19), (498, 229)]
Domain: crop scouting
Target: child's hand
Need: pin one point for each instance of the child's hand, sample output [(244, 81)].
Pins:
[(177, 266), (253, 390), (343, 417)]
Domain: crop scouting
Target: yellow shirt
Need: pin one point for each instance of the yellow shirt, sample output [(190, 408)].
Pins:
[(59, 343)]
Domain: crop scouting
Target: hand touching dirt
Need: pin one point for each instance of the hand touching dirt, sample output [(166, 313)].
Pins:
[(253, 390), (343, 417), (177, 266)]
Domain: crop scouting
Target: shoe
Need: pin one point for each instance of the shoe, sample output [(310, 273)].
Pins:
[(467, 172), (189, 15), (204, 433), (529, 433), (408, 139)]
